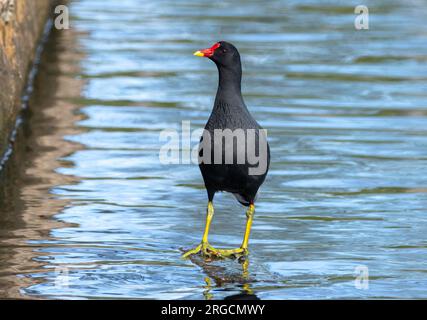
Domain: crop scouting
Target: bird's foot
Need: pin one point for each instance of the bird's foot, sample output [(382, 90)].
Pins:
[(233, 253), (205, 250)]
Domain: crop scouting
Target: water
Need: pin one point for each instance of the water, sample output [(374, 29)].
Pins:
[(85, 195)]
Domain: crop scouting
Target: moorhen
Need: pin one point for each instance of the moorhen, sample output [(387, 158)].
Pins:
[(230, 115)]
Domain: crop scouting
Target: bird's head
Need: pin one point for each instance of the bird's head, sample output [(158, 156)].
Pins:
[(223, 53)]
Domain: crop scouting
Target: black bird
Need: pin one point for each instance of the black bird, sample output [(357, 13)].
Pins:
[(231, 144)]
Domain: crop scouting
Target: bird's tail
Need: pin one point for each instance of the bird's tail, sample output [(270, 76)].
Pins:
[(243, 200)]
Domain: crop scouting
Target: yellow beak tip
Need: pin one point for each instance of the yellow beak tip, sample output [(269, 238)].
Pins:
[(198, 54)]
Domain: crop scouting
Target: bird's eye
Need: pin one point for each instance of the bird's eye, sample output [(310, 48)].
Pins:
[(224, 50)]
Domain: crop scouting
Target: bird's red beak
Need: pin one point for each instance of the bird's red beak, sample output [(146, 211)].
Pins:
[(207, 52)]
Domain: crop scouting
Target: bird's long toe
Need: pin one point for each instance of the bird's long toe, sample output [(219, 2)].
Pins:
[(191, 252), (203, 249), (232, 253)]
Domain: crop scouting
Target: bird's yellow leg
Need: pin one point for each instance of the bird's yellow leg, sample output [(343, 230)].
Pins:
[(207, 293), (209, 216), (243, 250), (204, 247), (249, 218)]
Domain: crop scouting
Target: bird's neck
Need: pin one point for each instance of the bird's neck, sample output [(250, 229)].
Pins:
[(229, 86)]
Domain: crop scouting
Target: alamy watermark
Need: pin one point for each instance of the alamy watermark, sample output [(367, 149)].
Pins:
[(361, 281), (361, 22), (62, 17), (62, 277), (219, 146)]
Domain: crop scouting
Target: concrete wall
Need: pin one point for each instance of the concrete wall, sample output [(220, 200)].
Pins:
[(21, 25)]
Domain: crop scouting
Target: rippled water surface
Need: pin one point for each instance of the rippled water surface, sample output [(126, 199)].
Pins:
[(346, 113)]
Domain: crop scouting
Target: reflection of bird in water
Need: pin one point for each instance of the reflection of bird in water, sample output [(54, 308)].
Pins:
[(222, 276), (237, 176), (242, 296)]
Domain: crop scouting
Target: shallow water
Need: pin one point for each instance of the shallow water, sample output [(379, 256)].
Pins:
[(346, 115)]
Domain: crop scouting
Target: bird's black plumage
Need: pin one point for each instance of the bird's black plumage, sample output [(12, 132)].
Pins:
[(230, 112)]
